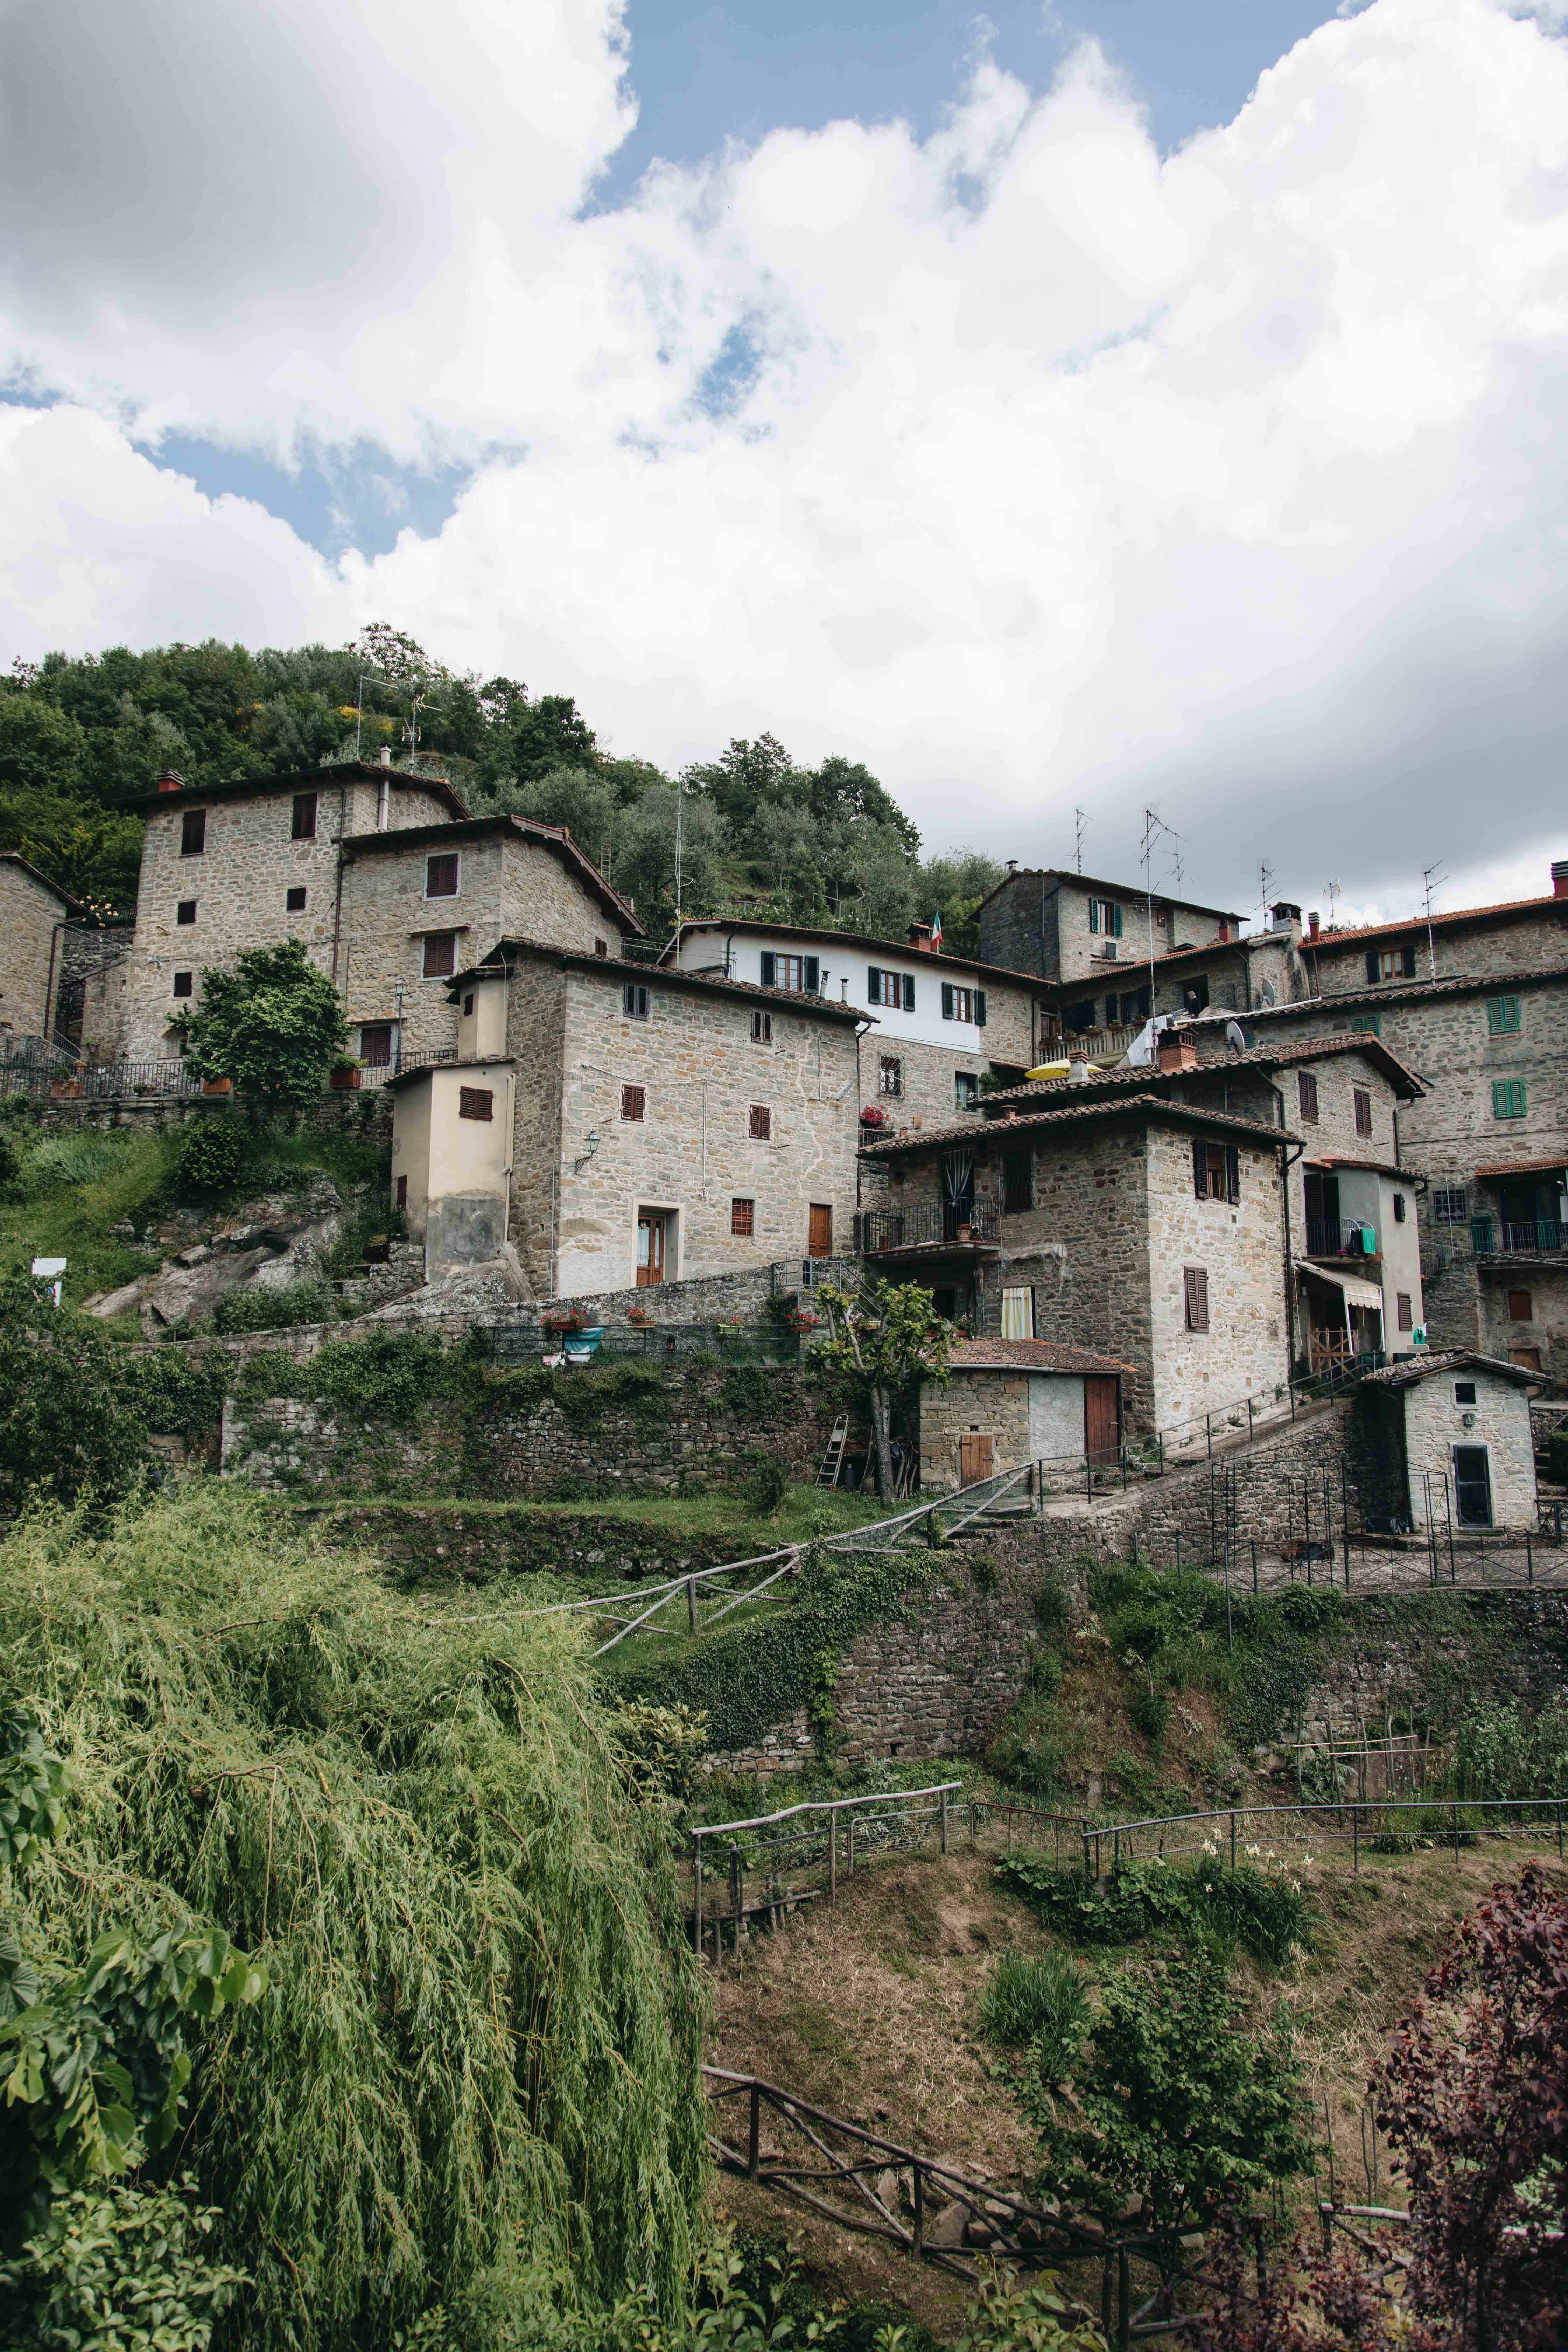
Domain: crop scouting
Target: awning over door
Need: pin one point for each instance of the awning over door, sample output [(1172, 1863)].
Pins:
[(1357, 1293)]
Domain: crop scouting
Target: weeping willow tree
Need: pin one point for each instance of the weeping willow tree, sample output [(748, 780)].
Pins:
[(476, 2060)]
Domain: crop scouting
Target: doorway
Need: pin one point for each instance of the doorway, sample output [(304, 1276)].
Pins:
[(1101, 1417), (974, 1459), (652, 1238), (819, 1230), (1473, 1485)]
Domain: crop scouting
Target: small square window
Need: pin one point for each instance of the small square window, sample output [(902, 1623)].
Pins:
[(1520, 1306), (634, 1101), (634, 1001), (304, 816), (1399, 1208), (192, 832), (743, 1217), (1365, 1025), (1508, 1099), (1464, 1391), (966, 1089), (440, 954), (601, 947), (476, 1102), (441, 876), (1363, 1111), (762, 1124), (1307, 1096), (890, 1075), (762, 1028), (186, 912), (1450, 1205), (1502, 1016), (184, 984), (294, 899)]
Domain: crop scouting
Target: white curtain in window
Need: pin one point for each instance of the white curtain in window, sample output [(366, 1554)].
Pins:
[(1017, 1314)]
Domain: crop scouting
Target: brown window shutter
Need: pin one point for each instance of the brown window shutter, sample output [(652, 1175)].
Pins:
[(1195, 1285), (634, 1101), (476, 1102), (761, 1122), (1200, 1168), (1232, 1174)]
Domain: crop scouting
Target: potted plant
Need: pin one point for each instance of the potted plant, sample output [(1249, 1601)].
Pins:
[(640, 1316), (217, 1086), (345, 1074), (564, 1319), (803, 1320), (873, 1116)]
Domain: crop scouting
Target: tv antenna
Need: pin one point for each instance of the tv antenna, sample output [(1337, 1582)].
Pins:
[(1081, 816), (1431, 877), (1331, 891), (1265, 876)]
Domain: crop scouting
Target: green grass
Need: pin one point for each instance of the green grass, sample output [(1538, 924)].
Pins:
[(807, 1512)]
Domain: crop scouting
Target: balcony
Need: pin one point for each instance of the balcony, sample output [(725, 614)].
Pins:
[(1536, 1237), (1342, 1238), (929, 1228)]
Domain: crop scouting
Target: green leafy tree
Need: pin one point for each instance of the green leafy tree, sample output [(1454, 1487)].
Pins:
[(116, 2270), (1181, 2103), (43, 749), (273, 1025), (885, 1339), (66, 1426)]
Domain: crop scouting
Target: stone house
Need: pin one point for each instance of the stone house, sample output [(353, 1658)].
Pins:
[(1012, 1402), (943, 1022), (1490, 942), (665, 1125), (1350, 1205), (1457, 1428), (35, 915), (1146, 1230), (1488, 1132)]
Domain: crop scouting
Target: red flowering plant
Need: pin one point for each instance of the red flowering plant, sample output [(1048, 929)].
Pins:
[(873, 1116)]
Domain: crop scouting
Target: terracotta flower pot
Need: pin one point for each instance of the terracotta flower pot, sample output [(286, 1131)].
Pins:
[(345, 1082), (217, 1086)]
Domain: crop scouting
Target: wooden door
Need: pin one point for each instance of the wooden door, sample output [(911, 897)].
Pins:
[(650, 1246), (1472, 1486), (974, 1456), (1101, 1416), (819, 1238)]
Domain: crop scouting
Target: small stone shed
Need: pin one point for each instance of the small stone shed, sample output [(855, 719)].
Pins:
[(1459, 1426), (1010, 1401), (451, 1152)]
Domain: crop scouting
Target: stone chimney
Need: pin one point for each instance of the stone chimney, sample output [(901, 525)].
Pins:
[(171, 780), (1176, 1049), (1313, 920), (1078, 1067), (920, 938), (1560, 877), (1287, 918)]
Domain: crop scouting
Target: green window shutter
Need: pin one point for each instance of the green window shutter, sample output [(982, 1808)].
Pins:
[(908, 993), (947, 1000), (813, 973), (1502, 1015), (1363, 1024), (768, 967), (1115, 922), (980, 1008), (1507, 1097), (1094, 914), (873, 985)]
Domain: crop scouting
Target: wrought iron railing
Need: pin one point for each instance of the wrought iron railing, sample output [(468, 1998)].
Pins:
[(1339, 1237), (96, 1081), (929, 1224), (1532, 1237)]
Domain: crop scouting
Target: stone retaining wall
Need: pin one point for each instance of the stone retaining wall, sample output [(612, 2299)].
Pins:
[(446, 1542)]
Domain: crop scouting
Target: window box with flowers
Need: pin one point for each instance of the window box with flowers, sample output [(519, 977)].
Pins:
[(640, 1316), (874, 1115), (802, 1320), (345, 1074), (565, 1319)]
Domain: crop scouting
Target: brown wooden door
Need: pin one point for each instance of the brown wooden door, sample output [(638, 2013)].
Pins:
[(1101, 1416), (650, 1247), (819, 1238), (974, 1456)]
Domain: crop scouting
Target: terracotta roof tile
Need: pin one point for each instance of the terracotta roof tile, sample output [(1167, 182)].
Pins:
[(1030, 1355), (987, 1131)]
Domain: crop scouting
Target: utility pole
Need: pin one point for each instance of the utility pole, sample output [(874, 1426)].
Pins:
[(681, 795), (1146, 859)]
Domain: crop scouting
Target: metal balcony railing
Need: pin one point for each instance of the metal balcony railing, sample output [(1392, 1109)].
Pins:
[(929, 1224), (1343, 1238), (1535, 1237)]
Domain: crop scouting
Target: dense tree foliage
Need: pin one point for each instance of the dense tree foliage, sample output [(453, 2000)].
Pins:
[(67, 1426), (827, 845), (274, 1025)]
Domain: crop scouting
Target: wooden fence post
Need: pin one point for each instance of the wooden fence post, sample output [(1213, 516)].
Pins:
[(697, 1890), (920, 2202), (754, 2146), (692, 1604), (832, 1855), (943, 1803)]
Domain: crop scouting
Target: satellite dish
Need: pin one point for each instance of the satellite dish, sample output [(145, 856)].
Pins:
[(1235, 1037), (1267, 991)]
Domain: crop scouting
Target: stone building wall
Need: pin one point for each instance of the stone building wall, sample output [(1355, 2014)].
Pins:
[(1499, 1418), (1499, 945), (1245, 1352), (93, 963), (30, 913), (478, 1543), (240, 883), (1039, 922), (691, 1153)]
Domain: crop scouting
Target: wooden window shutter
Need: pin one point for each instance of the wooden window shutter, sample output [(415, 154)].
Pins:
[(1372, 963), (1232, 1174), (980, 1008), (873, 986), (813, 974), (1409, 962), (909, 991), (1200, 1168), (947, 1000), (761, 1122), (769, 963), (476, 1102), (634, 1101), (1195, 1290)]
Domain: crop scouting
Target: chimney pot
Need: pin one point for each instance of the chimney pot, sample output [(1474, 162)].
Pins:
[(1176, 1049), (1313, 920), (1560, 877), (171, 780), (384, 756), (920, 938)]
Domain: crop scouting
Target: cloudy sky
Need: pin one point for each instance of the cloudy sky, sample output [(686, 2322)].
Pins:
[(1115, 403)]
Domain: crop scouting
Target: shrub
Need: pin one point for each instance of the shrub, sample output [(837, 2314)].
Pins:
[(1051, 1608), (1039, 1998), (747, 1392), (255, 1309), (768, 1487), (1262, 1909), (1044, 1677), (1501, 1751), (116, 2269), (1148, 1711), (211, 1154), (67, 1424), (1557, 1457), (274, 1025)]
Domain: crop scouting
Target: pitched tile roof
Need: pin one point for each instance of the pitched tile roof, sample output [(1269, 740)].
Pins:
[(1500, 1170), (790, 1000), (1029, 1356), (1421, 1368), (1147, 1106), (897, 951), (1373, 1167), (1394, 993), (1417, 922), (1290, 1049)]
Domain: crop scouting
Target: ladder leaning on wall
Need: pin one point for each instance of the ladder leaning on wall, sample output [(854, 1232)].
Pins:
[(833, 1460)]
